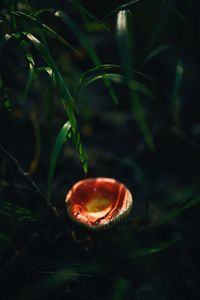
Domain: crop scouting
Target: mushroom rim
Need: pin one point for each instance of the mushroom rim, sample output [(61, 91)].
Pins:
[(110, 223)]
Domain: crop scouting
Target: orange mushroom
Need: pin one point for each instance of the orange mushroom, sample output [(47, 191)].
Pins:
[(98, 202)]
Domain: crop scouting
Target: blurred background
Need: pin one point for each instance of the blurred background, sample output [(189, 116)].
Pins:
[(124, 75)]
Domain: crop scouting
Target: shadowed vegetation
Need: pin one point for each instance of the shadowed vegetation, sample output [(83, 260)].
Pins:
[(94, 89)]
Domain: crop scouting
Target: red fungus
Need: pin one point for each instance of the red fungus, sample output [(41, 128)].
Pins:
[(98, 202)]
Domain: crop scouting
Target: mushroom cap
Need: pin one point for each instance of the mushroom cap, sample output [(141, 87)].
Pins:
[(98, 202)]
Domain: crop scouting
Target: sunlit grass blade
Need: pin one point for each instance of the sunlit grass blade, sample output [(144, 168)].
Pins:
[(60, 83), (62, 137), (65, 95), (87, 45), (175, 99), (125, 44), (46, 29)]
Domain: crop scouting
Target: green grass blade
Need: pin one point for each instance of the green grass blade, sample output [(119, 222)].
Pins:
[(60, 83), (136, 252), (45, 29), (86, 44), (87, 13), (125, 44), (62, 137), (178, 14), (179, 209), (152, 250), (155, 52), (117, 78), (99, 69), (116, 68), (41, 288), (65, 95), (121, 7), (83, 11), (164, 18), (80, 35)]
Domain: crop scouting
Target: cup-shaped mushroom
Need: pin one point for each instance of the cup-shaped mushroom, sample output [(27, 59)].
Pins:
[(98, 202)]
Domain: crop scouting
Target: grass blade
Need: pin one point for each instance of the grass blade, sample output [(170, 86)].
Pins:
[(166, 13), (117, 78), (45, 29), (85, 12), (62, 137), (155, 52), (179, 209), (125, 45), (121, 7), (65, 95), (86, 44)]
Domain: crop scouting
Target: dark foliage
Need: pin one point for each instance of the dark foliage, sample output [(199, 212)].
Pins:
[(95, 89)]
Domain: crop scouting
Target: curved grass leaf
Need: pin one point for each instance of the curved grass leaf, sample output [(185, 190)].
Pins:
[(174, 213), (179, 14), (155, 52), (50, 282), (125, 44), (80, 8), (118, 78), (165, 14), (121, 7), (92, 71), (60, 83), (179, 209), (62, 137), (86, 12), (65, 95), (98, 70), (86, 44), (135, 253), (45, 29)]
